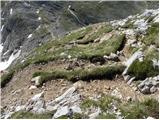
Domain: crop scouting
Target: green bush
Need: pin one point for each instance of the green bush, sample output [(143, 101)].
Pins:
[(5, 78), (143, 69), (30, 115)]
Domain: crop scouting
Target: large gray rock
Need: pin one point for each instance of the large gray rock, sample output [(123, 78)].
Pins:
[(36, 104), (61, 111), (70, 100)]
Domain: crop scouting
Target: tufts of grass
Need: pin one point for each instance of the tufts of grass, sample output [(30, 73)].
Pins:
[(105, 101), (87, 103), (5, 78), (143, 69), (141, 110), (105, 48), (152, 36), (81, 74), (106, 116), (30, 115)]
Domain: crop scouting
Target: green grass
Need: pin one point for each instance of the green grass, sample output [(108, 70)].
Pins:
[(151, 53), (130, 110), (152, 36), (30, 115), (81, 74), (87, 103), (75, 116), (6, 78), (90, 38), (144, 69), (104, 48), (141, 110), (52, 50), (106, 116), (103, 103)]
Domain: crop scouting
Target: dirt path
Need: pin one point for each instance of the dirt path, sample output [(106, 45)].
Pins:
[(17, 91)]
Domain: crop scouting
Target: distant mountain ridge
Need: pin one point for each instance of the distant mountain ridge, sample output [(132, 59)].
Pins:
[(26, 25)]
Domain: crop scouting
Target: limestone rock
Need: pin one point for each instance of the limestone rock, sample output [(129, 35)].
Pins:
[(36, 80)]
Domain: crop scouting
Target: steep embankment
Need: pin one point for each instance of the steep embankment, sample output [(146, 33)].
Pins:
[(115, 64)]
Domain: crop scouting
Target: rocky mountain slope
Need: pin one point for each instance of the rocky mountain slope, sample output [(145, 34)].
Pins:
[(26, 25), (103, 70)]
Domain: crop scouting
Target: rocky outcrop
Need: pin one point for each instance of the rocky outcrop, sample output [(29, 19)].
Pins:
[(67, 102), (149, 85)]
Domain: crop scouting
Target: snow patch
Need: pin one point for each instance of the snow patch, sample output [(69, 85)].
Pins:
[(1, 48), (37, 11), (6, 52), (11, 11), (39, 18), (2, 28), (4, 65), (29, 36), (38, 27)]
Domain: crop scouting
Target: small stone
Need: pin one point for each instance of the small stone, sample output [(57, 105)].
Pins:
[(129, 99), (145, 90), (141, 85), (32, 87), (44, 84), (126, 78), (36, 80), (135, 88), (153, 89), (130, 81)]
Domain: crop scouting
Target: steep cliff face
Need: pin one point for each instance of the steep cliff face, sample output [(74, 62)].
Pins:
[(26, 25)]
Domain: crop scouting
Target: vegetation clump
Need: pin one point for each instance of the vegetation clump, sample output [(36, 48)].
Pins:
[(151, 36), (81, 74), (141, 110), (5, 78), (143, 69), (30, 115)]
